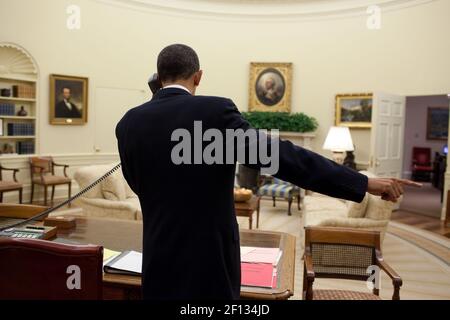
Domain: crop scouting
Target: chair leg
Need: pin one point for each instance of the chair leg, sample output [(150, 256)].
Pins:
[(32, 193), (274, 204), (20, 195), (289, 206), (298, 202), (70, 191), (1, 196), (257, 213), (53, 193), (45, 195)]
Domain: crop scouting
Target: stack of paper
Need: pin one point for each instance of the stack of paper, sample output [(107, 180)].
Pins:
[(127, 262), (259, 266), (108, 255)]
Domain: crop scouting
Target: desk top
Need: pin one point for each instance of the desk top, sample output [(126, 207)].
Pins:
[(121, 235)]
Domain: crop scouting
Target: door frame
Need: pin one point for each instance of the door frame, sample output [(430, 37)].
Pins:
[(447, 170)]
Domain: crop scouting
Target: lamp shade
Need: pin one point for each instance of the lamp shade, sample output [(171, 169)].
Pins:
[(338, 140)]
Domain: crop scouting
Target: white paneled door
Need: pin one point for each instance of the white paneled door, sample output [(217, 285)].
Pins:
[(387, 136)]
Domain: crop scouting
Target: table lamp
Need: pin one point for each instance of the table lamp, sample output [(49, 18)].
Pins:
[(338, 141)]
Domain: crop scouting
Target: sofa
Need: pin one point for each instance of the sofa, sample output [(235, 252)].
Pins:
[(372, 213), (112, 198)]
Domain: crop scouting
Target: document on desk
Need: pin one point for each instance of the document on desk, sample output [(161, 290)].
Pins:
[(260, 255), (258, 275), (128, 263), (109, 255)]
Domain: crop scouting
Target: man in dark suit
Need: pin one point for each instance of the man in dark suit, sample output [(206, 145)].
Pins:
[(191, 244), (66, 108)]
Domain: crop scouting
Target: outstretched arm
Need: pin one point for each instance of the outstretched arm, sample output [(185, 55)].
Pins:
[(311, 171)]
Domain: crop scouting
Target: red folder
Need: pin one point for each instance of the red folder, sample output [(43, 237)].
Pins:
[(258, 275)]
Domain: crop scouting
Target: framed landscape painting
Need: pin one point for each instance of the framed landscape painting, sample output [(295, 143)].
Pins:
[(270, 87), (354, 110), (437, 123)]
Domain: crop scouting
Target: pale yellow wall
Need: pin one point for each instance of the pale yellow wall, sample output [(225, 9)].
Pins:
[(116, 48)]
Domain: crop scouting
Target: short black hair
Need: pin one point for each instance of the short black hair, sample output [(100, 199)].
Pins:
[(177, 61)]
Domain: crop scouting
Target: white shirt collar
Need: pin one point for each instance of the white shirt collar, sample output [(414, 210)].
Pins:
[(68, 104), (178, 86)]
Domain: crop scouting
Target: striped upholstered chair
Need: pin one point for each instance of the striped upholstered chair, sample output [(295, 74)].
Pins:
[(276, 188)]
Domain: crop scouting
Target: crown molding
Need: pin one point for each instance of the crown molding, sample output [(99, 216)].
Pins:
[(251, 10)]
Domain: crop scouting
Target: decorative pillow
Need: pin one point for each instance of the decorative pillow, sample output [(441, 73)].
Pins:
[(113, 187), (129, 193), (378, 209), (357, 210)]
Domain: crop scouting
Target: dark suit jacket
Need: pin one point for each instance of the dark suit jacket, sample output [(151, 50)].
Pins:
[(191, 237), (61, 111)]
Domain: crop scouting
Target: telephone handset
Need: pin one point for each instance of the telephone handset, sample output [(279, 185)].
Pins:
[(154, 83), (79, 194)]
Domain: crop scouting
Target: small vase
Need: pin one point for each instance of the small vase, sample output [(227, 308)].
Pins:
[(22, 112)]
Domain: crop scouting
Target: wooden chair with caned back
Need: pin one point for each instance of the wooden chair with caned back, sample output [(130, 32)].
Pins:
[(43, 173), (344, 253), (10, 185)]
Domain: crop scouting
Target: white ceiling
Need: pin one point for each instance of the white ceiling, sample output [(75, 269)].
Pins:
[(267, 9)]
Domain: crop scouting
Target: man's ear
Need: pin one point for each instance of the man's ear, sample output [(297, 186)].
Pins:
[(198, 77)]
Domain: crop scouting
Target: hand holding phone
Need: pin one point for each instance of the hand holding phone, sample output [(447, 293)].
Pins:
[(154, 83)]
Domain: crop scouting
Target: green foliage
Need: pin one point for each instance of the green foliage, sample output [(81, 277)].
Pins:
[(283, 121)]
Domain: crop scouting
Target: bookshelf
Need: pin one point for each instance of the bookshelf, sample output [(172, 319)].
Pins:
[(18, 102)]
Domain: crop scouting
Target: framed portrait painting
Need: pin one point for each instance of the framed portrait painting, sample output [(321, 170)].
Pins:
[(354, 110), (437, 123), (68, 100), (270, 87)]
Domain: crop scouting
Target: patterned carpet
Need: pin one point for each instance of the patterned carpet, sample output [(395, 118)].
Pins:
[(421, 258)]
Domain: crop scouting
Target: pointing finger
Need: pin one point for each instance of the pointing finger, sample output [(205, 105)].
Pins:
[(409, 183)]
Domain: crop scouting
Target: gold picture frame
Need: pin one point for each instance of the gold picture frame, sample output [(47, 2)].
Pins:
[(68, 100), (437, 123), (354, 110), (270, 87)]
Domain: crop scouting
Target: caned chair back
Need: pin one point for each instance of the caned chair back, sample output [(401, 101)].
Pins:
[(341, 252), (41, 162)]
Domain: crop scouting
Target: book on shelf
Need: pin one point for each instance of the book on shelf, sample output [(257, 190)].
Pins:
[(21, 129), (7, 109), (25, 147), (26, 91)]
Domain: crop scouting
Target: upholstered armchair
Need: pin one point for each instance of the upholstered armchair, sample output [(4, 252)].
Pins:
[(421, 164), (42, 170), (276, 188), (38, 270), (112, 198), (10, 185), (372, 213), (341, 253)]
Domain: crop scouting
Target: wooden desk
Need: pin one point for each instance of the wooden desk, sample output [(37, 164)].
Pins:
[(246, 209), (123, 235)]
